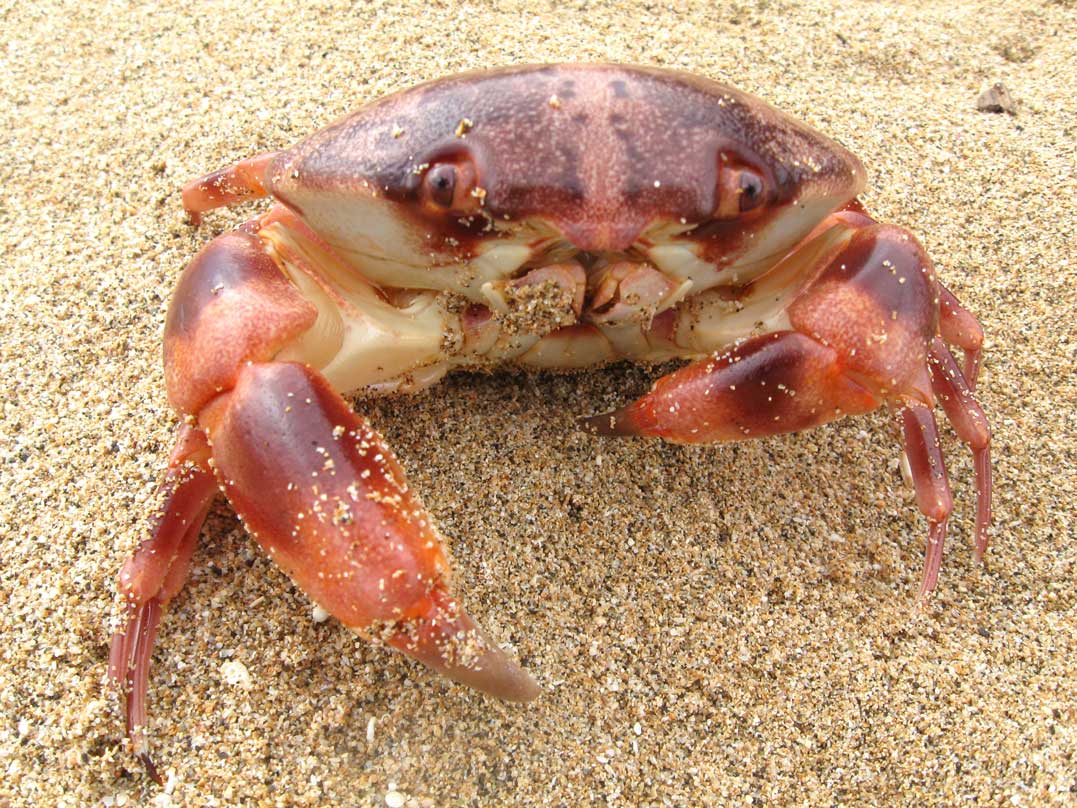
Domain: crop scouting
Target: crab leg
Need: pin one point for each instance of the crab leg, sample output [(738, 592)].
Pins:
[(864, 333), (231, 185), (155, 573), (968, 419), (312, 481), (768, 385), (959, 327), (930, 482), (326, 498)]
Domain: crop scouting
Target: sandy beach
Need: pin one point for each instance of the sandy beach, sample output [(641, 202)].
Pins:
[(729, 625)]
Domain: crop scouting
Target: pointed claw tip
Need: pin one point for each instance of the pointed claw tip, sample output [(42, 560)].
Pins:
[(516, 686), (606, 425), (497, 675), (527, 690), (447, 640), (485, 668)]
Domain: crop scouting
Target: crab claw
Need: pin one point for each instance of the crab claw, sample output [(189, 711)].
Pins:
[(325, 497), (617, 423), (446, 639), (867, 332)]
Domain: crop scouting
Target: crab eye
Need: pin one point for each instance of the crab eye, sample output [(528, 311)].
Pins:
[(740, 190), (751, 190), (440, 185), (450, 188)]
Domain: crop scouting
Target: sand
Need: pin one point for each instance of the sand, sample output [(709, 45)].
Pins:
[(729, 625)]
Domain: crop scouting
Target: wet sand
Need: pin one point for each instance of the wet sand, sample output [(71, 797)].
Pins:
[(729, 625)]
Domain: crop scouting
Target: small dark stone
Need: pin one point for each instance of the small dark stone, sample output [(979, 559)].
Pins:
[(996, 99)]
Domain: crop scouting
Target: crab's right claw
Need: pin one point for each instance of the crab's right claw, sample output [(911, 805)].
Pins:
[(326, 498), (444, 637)]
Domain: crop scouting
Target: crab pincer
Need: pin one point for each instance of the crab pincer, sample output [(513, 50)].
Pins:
[(312, 482), (327, 499)]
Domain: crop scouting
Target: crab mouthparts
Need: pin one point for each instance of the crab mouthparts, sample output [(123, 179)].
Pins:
[(569, 284)]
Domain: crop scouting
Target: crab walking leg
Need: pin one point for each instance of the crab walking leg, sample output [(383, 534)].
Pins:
[(155, 573), (970, 423), (326, 498), (961, 328), (231, 185), (930, 482)]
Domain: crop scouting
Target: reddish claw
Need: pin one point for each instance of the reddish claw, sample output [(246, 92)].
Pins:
[(864, 335), (314, 484)]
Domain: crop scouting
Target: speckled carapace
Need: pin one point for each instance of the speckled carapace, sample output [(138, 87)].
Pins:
[(599, 151), (558, 216)]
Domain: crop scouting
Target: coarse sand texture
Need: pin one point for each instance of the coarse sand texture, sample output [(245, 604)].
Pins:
[(722, 625)]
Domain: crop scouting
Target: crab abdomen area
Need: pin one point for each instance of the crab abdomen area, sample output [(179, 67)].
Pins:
[(232, 305), (334, 512), (876, 305)]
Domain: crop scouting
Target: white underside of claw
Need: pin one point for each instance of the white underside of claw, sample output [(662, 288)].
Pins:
[(682, 259), (794, 223), (708, 322), (359, 338)]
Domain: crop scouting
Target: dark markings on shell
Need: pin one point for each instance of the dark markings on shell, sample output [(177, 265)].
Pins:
[(599, 151)]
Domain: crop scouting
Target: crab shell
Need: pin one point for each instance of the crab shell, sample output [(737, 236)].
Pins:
[(598, 159)]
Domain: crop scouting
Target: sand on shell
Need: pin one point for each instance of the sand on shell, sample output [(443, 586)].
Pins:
[(727, 625)]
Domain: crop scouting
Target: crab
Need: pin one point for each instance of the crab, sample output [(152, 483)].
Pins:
[(549, 217)]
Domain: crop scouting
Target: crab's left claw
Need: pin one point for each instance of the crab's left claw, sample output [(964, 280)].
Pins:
[(323, 494)]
